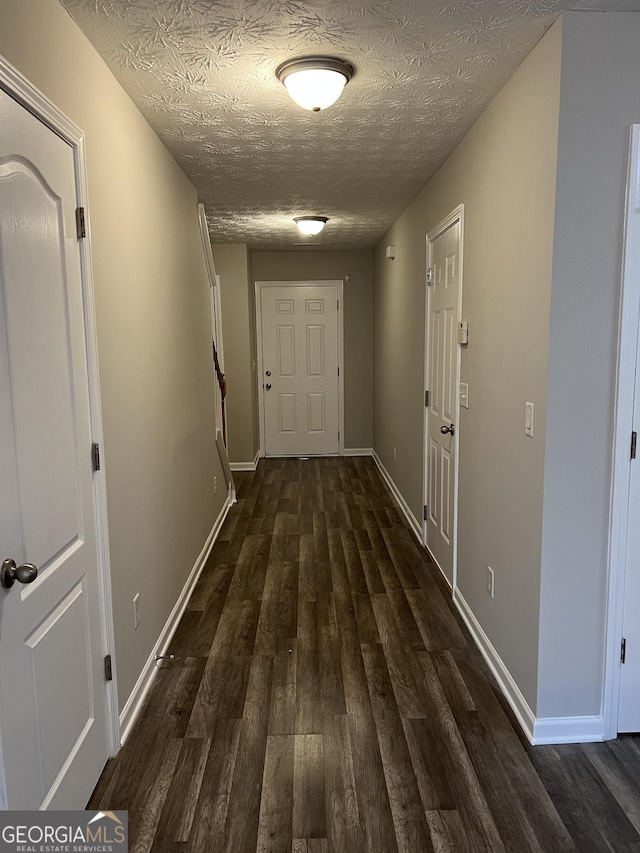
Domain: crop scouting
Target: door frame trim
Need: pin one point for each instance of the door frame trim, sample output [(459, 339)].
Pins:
[(456, 215), (339, 283), (628, 325), (22, 90)]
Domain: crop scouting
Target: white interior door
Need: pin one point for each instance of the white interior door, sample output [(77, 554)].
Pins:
[(299, 332), (629, 700), (52, 692), (441, 456)]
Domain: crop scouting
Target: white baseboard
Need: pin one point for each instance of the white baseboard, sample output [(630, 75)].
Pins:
[(245, 466), (135, 701), (510, 689), (568, 730), (539, 730), (357, 451), (395, 491)]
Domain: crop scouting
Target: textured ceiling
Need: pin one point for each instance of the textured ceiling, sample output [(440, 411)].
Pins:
[(202, 72)]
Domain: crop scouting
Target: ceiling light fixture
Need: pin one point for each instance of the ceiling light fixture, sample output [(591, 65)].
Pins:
[(311, 225), (315, 82)]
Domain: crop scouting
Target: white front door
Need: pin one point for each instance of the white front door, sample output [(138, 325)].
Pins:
[(299, 331), (52, 692), (441, 456)]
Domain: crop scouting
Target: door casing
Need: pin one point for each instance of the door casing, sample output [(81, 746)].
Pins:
[(21, 90), (339, 283), (456, 215)]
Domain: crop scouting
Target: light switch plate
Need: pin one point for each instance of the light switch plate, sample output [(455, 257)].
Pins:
[(528, 419), (464, 395)]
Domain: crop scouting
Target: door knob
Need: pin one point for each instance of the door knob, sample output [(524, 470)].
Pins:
[(9, 573), (268, 373), (450, 429), (268, 386)]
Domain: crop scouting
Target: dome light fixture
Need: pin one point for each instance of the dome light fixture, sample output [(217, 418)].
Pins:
[(315, 82), (310, 225)]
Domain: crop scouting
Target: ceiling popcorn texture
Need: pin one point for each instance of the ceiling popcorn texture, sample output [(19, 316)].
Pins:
[(203, 74)]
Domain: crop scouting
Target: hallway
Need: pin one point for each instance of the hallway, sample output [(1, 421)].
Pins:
[(325, 697)]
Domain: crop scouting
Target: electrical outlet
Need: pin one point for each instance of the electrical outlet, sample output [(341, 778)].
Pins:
[(395, 455), (136, 610), (491, 582), (215, 485)]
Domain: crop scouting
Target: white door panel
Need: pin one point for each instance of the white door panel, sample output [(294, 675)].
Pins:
[(629, 699), (441, 459), (299, 326), (52, 692)]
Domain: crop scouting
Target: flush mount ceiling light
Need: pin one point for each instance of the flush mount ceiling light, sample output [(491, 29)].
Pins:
[(315, 82), (311, 225)]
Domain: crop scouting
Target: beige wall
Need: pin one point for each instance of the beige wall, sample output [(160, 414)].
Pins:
[(152, 307), (504, 173), (600, 99), (358, 322), (238, 328)]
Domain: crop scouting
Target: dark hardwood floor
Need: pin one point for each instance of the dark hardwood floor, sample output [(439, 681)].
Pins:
[(326, 698)]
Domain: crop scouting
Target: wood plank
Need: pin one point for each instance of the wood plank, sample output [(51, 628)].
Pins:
[(365, 619), (282, 713), (146, 807), (208, 826), (308, 705), (508, 813), (179, 807), (434, 788), (412, 831), (589, 810), (373, 800), (409, 696), (309, 815), (276, 803), (330, 667), (244, 798), (344, 829), (245, 636)]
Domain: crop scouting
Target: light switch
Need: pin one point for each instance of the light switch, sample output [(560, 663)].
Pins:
[(528, 419), (464, 395)]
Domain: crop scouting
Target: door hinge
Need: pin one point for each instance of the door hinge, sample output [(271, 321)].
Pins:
[(623, 651), (108, 668), (634, 441), (426, 399), (338, 371), (429, 276), (95, 456), (81, 228), (425, 514)]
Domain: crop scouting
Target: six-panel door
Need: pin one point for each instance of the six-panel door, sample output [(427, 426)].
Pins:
[(443, 389), (300, 365)]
